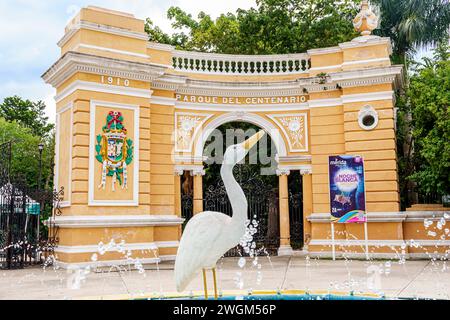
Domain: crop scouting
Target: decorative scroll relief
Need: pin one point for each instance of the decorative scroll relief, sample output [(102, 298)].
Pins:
[(295, 129), (187, 126), (114, 151)]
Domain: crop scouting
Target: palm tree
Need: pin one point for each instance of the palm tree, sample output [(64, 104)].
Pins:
[(412, 24)]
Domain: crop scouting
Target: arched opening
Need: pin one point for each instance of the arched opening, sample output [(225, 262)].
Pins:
[(256, 175), (259, 181)]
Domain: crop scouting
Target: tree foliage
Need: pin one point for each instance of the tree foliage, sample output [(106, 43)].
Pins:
[(274, 26), (25, 153), (429, 97), (413, 23), (27, 113)]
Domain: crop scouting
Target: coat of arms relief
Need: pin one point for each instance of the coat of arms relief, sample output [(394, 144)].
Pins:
[(114, 151)]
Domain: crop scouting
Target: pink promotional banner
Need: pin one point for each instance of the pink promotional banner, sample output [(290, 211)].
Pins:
[(347, 189)]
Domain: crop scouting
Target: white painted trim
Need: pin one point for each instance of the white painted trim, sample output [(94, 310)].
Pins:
[(169, 257), (189, 167), (95, 248), (268, 126), (188, 158), (68, 192), (358, 255), (351, 63), (167, 244), (104, 263), (120, 221), (160, 46), (354, 243), (294, 158), (196, 129), (104, 88), (296, 167), (128, 53), (305, 116), (93, 134), (379, 243), (241, 107), (164, 101), (367, 97), (336, 66), (364, 42), (73, 62), (420, 216)]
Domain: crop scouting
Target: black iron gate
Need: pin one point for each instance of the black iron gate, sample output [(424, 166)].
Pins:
[(263, 207), (28, 233), (262, 200)]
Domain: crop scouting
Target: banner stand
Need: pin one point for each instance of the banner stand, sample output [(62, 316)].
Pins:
[(333, 245), (366, 240)]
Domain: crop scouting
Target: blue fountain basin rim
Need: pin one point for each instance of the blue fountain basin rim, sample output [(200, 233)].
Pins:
[(268, 295)]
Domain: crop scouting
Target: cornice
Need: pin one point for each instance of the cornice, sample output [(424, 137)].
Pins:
[(238, 89), (169, 82), (73, 62), (160, 46)]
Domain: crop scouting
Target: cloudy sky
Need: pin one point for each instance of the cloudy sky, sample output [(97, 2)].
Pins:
[(30, 29)]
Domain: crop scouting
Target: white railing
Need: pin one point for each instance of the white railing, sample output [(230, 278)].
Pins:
[(213, 63)]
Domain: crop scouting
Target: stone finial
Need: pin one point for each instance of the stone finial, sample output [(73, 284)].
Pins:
[(366, 21)]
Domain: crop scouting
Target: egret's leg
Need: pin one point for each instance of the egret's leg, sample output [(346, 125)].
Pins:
[(205, 286), (215, 282)]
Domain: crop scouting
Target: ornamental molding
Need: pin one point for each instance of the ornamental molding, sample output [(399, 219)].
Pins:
[(100, 28), (198, 172), (99, 87), (354, 78), (169, 82), (198, 168), (295, 129), (187, 126), (290, 159), (164, 101), (241, 89), (283, 172), (73, 62), (303, 168), (160, 46)]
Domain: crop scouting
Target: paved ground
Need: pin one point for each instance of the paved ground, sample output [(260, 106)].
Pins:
[(412, 279)]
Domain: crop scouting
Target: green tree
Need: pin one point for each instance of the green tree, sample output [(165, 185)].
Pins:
[(275, 26), (25, 153), (429, 97), (412, 24), (27, 113)]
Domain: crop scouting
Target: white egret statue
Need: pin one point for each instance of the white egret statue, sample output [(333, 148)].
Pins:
[(209, 235)]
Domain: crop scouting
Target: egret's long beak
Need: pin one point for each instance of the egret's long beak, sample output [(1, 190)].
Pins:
[(250, 142)]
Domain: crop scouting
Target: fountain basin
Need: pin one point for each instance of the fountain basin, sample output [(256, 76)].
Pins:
[(268, 295)]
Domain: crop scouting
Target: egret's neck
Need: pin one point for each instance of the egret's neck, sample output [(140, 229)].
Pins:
[(235, 194)]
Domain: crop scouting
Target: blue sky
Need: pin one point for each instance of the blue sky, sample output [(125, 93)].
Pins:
[(30, 29)]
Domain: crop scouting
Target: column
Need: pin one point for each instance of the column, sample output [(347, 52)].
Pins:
[(177, 185), (307, 205), (198, 189), (285, 248), (177, 199)]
